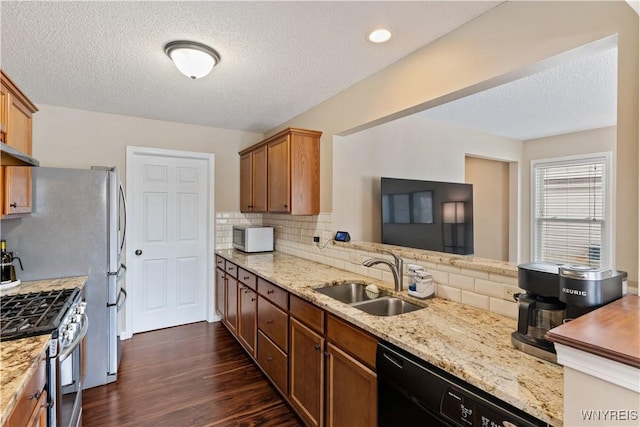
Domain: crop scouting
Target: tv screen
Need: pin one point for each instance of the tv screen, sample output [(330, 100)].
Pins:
[(432, 215)]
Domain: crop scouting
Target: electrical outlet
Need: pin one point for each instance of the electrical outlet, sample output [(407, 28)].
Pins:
[(509, 292), (316, 239)]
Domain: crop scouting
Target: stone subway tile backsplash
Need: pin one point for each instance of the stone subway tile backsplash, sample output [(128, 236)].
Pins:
[(294, 236)]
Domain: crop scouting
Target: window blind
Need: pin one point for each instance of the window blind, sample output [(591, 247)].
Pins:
[(570, 217)]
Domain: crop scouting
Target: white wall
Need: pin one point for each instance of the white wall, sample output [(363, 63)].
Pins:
[(66, 137), (411, 147)]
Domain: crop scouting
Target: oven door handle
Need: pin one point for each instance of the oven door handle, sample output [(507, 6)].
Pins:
[(76, 341)]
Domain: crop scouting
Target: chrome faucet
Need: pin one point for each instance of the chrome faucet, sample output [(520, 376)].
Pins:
[(395, 266)]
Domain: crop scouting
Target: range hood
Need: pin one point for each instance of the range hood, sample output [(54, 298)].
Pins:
[(13, 157)]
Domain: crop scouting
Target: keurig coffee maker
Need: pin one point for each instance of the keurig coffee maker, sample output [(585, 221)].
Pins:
[(556, 293)]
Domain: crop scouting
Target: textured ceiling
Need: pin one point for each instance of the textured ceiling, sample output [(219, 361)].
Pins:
[(278, 58), (575, 96)]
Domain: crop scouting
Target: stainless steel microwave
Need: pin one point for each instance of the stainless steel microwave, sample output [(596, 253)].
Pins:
[(253, 238)]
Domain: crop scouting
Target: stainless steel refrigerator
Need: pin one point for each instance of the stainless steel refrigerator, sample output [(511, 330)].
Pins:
[(77, 227)]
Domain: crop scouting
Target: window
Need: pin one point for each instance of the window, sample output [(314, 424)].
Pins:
[(571, 215)]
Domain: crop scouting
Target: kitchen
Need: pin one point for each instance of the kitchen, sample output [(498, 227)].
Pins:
[(53, 120)]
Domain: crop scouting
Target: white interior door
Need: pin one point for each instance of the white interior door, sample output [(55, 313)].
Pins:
[(170, 236)]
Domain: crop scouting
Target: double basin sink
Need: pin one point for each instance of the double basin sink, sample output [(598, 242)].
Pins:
[(355, 295)]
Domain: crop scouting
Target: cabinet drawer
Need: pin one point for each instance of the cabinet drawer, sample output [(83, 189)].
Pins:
[(231, 269), (307, 313), (273, 293), (247, 278), (353, 340), (274, 362), (273, 322), (30, 396), (219, 262)]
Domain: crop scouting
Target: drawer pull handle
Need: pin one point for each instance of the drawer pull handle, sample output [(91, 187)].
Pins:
[(246, 277), (270, 291), (36, 395), (253, 299), (14, 205), (269, 322), (269, 358)]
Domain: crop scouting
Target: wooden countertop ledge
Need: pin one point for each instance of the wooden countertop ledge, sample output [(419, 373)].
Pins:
[(612, 331)]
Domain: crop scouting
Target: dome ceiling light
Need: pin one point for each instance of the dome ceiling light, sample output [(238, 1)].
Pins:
[(193, 59), (379, 36)]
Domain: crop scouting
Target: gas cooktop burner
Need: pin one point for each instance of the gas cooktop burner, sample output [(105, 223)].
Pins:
[(35, 313)]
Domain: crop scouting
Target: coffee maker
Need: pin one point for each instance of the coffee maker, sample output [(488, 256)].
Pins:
[(557, 293)]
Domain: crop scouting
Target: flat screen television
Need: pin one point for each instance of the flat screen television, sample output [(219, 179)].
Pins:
[(432, 215)]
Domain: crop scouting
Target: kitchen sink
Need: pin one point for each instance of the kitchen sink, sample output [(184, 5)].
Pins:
[(354, 294), (386, 306), (347, 293)]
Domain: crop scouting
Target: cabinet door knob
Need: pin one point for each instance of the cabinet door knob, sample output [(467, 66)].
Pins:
[(269, 322), (269, 358), (317, 346), (138, 252), (13, 205)]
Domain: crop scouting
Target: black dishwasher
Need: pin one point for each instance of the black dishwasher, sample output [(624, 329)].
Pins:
[(412, 392)]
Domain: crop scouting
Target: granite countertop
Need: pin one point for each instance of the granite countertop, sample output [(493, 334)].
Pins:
[(18, 358), (470, 343)]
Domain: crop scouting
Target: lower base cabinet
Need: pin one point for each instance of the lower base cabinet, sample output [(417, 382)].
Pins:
[(231, 307), (247, 313), (306, 373), (274, 362), (352, 391), (31, 406), (220, 292), (323, 366)]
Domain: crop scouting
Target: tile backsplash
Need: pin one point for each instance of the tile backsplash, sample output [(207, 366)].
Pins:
[(294, 235)]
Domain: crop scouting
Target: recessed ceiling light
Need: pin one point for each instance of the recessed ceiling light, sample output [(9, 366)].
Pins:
[(379, 36)]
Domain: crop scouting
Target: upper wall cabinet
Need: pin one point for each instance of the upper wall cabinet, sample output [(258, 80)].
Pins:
[(16, 111), (253, 180), (290, 182)]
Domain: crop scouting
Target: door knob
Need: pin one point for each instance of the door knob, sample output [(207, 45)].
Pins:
[(138, 252)]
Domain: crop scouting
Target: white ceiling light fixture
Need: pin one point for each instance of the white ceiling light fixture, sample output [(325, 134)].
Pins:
[(193, 59), (379, 36)]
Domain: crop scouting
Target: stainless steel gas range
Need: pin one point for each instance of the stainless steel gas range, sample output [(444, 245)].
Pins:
[(60, 313)]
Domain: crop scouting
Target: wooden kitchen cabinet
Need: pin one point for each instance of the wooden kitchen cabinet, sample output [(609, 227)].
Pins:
[(274, 362), (323, 366), (247, 316), (16, 130), (352, 391), (31, 406), (351, 381), (221, 292), (231, 306), (253, 180), (306, 373), (274, 323), (292, 173)]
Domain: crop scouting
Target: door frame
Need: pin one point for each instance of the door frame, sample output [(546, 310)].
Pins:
[(132, 152)]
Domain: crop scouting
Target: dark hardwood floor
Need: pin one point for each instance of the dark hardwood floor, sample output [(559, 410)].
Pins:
[(192, 375)]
